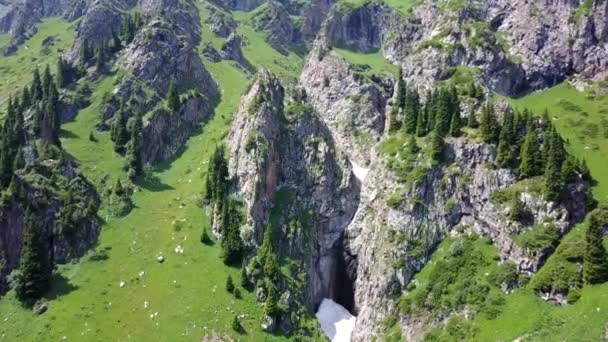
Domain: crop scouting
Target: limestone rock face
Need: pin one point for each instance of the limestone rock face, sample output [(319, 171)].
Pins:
[(286, 158), (220, 24), (353, 107)]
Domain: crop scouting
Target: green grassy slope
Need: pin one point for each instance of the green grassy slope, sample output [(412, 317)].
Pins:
[(16, 70), (582, 118), (187, 290)]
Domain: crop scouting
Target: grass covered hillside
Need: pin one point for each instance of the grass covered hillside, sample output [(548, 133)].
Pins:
[(180, 299)]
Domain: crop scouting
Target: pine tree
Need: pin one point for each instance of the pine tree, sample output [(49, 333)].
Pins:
[(271, 267), (229, 284), (595, 259), (26, 100), (36, 89), (422, 123), (553, 180), (47, 80), (119, 133), (531, 164), (488, 125), (569, 171), (411, 111), (62, 79), (34, 263), (173, 102), (443, 115), (412, 146), (437, 146), (232, 245), (504, 155), (518, 209), (271, 306), (393, 123), (455, 124), (472, 120), (236, 325), (134, 147), (244, 280)]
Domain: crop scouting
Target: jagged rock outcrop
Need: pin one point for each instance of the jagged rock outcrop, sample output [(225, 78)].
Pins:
[(102, 18), (351, 105), (314, 17), (276, 22), (231, 49), (515, 46), (219, 23), (211, 53), (41, 185), (289, 171), (165, 50)]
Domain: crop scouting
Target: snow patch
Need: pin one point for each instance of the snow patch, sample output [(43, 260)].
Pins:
[(360, 172), (336, 322)]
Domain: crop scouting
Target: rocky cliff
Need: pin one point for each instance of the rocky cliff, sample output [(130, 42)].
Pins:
[(292, 176), (514, 46), (50, 187)]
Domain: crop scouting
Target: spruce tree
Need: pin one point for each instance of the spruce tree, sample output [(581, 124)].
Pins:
[(36, 89), (134, 147), (47, 80), (271, 306), (34, 263), (472, 120), (229, 284), (531, 163), (232, 245), (595, 259), (26, 100), (488, 125), (504, 155), (437, 146), (412, 146), (393, 122), (455, 124), (119, 133), (553, 180), (411, 111), (518, 209), (173, 102), (244, 280), (62, 79), (422, 123), (442, 115), (236, 325)]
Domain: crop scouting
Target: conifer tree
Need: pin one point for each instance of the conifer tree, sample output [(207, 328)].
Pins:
[(393, 123), (422, 123), (34, 264), (442, 114), (36, 90), (229, 284), (134, 147), (504, 156), (488, 125), (232, 245), (553, 179), (517, 212), (236, 325), (62, 79), (472, 121), (569, 171), (412, 146), (455, 124), (244, 280), (271, 306), (119, 133), (531, 164), (47, 80), (26, 100), (411, 110), (595, 259), (437, 146), (173, 102)]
